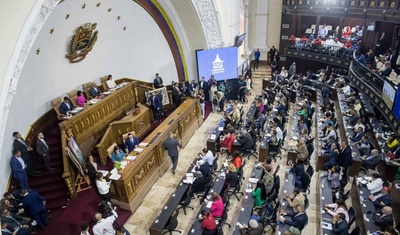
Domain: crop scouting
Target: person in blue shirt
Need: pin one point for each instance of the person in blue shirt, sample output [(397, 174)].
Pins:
[(256, 58), (361, 58), (131, 142), (117, 155)]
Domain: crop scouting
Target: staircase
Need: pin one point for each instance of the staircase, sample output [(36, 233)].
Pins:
[(51, 185)]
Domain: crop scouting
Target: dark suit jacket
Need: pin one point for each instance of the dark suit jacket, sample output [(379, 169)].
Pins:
[(384, 200), (33, 202), (41, 148), (340, 228), (199, 185), (64, 108), (175, 93), (17, 145), (370, 163), (11, 224), (16, 167), (386, 72), (156, 102), (94, 92), (203, 87), (344, 157), (158, 84), (129, 145), (298, 221), (383, 222)]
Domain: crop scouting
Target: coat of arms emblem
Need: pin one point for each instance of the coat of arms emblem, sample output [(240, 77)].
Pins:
[(81, 43)]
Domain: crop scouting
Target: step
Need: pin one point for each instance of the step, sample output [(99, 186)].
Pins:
[(51, 189)]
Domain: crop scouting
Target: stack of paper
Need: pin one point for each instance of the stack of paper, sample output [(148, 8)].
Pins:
[(143, 144), (103, 172), (253, 180), (213, 136), (132, 158), (138, 150)]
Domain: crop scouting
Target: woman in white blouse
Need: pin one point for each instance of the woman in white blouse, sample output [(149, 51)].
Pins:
[(103, 186), (338, 207), (375, 185)]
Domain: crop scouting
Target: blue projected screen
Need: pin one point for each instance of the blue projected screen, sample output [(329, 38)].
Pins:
[(396, 106), (221, 62)]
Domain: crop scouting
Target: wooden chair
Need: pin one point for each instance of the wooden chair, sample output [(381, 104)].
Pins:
[(110, 150), (86, 88), (72, 96), (56, 106), (103, 81)]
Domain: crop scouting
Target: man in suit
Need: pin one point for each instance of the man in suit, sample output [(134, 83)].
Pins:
[(156, 106), (66, 106), (171, 145), (246, 141), (345, 159), (298, 220), (131, 142), (386, 70), (176, 94), (95, 92), (254, 228), (382, 199), (340, 225), (42, 149), (15, 222), (35, 204), (383, 218), (369, 162), (204, 86), (158, 82), (19, 169), (20, 145)]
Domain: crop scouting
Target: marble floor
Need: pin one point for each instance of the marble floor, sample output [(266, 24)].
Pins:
[(141, 220)]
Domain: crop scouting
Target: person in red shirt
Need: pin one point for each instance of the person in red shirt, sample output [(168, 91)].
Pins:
[(208, 223), (237, 160), (317, 42)]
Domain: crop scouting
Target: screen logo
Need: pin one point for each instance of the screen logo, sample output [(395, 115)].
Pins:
[(218, 65)]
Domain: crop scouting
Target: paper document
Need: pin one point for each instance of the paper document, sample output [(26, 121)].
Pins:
[(132, 158), (138, 150), (253, 180), (213, 136), (249, 190), (326, 225), (114, 177), (209, 204), (103, 172), (144, 144), (221, 128)]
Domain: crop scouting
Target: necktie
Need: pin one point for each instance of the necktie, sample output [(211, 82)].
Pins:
[(23, 142), (44, 142)]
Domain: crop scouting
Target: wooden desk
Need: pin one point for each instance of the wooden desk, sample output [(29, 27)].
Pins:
[(151, 163), (248, 201), (364, 208)]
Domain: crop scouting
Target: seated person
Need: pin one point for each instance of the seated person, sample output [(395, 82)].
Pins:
[(383, 218), (236, 160), (199, 184), (360, 123), (357, 135), (330, 131), (66, 106), (333, 177), (369, 162), (259, 193), (389, 230), (352, 117), (391, 143), (217, 207), (363, 145), (323, 32), (207, 156), (297, 198), (376, 184), (327, 146), (254, 228), (110, 82), (332, 157), (387, 70), (228, 140), (298, 170), (268, 179), (131, 142), (232, 178), (382, 199), (117, 155), (95, 92), (339, 224), (14, 223), (394, 154), (336, 208), (204, 168), (273, 144), (208, 223), (301, 149), (302, 125), (80, 99), (303, 111), (246, 141), (298, 220)]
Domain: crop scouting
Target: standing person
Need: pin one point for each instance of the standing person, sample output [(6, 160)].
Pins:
[(176, 94), (203, 86), (380, 44), (271, 54), (35, 204), (227, 90), (103, 186), (171, 145), (20, 145), (19, 169), (202, 100), (256, 58), (156, 106), (43, 150), (85, 229), (242, 89), (91, 166), (158, 82), (345, 159), (105, 226)]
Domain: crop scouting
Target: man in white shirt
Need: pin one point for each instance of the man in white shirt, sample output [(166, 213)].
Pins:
[(105, 226), (279, 133), (208, 156)]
